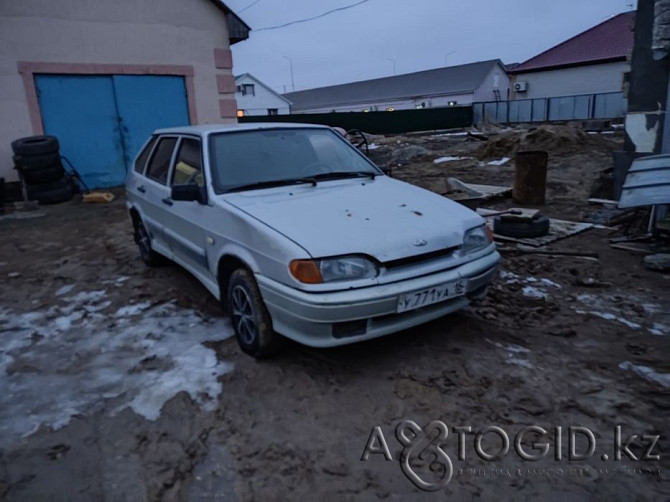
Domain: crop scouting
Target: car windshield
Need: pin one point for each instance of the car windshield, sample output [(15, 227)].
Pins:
[(273, 157)]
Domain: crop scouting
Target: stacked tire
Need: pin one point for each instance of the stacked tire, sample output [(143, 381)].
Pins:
[(37, 158)]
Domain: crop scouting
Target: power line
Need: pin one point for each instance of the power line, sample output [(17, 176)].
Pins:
[(250, 5), (310, 18)]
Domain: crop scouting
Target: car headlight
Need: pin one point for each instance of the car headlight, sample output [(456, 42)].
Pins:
[(476, 239), (341, 268)]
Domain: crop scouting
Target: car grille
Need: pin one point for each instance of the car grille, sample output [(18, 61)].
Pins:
[(412, 260)]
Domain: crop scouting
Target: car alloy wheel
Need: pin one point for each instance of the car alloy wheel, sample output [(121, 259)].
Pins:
[(249, 316), (244, 317)]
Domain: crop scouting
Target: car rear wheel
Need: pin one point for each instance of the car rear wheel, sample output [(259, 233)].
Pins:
[(143, 239), (250, 318)]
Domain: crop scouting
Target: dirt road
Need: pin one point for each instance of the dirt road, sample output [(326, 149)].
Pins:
[(124, 382)]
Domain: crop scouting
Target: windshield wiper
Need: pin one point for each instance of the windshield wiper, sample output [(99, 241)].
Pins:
[(336, 175), (273, 183)]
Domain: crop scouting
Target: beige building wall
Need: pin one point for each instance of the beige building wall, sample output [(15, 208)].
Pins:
[(152, 35)]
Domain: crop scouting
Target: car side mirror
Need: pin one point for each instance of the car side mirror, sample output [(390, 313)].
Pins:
[(189, 193)]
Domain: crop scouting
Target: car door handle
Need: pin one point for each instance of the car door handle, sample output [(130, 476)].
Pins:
[(167, 201), (141, 189)]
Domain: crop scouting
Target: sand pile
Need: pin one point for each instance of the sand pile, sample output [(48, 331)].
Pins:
[(557, 139)]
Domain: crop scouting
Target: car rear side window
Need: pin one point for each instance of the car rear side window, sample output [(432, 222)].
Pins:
[(188, 164), (159, 165), (141, 161)]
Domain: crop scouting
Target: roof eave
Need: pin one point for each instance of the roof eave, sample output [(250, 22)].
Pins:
[(238, 30), (517, 71), (382, 101)]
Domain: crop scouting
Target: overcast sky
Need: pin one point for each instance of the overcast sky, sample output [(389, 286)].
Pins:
[(367, 40)]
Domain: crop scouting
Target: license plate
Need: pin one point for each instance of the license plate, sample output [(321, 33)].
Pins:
[(436, 294)]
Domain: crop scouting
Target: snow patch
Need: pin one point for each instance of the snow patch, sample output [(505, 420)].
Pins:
[(509, 277), (533, 292), (514, 354), (87, 297), (448, 159), (551, 283), (525, 363), (610, 317), (65, 290), (498, 162), (65, 361), (516, 349), (659, 329), (134, 309), (647, 372), (119, 281)]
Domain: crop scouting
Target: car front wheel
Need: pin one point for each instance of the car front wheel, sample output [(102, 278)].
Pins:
[(250, 318)]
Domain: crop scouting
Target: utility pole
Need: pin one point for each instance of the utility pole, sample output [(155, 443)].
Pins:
[(290, 65), (392, 61)]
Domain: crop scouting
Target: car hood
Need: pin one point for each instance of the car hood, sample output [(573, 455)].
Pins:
[(383, 218)]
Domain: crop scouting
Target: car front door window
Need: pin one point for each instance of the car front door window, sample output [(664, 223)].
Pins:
[(185, 229), (188, 164)]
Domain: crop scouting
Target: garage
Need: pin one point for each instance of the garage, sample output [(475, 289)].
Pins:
[(102, 121), (100, 76)]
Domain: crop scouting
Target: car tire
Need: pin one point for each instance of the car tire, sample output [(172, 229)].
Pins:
[(143, 239), (519, 229), (250, 317), (35, 145), (50, 193), (37, 161), (42, 175)]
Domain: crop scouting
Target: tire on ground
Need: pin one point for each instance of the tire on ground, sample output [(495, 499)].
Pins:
[(520, 229), (38, 161), (35, 145), (54, 196), (42, 175), (50, 193)]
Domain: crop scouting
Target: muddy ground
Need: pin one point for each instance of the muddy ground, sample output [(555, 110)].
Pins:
[(122, 382)]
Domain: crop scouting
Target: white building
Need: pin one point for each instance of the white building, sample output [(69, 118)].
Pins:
[(255, 98), (100, 76), (592, 62), (441, 87)]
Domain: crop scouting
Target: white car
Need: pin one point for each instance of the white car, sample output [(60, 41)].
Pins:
[(300, 235)]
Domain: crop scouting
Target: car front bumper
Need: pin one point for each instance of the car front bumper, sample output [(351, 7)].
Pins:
[(366, 313)]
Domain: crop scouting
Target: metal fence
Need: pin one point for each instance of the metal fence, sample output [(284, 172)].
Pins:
[(609, 105), (399, 121)]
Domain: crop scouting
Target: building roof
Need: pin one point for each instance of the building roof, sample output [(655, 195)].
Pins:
[(611, 40), (238, 30), (249, 75), (438, 82)]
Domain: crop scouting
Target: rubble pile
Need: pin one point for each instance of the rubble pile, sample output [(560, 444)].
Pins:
[(558, 139)]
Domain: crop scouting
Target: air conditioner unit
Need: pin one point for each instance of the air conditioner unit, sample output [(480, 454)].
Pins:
[(521, 86)]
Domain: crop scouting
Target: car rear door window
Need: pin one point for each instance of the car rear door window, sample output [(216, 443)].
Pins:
[(188, 164), (159, 165), (141, 161)]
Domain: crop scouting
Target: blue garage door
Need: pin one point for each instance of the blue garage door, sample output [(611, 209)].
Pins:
[(102, 122)]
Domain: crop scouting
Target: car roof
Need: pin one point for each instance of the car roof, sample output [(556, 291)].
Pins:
[(204, 130)]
